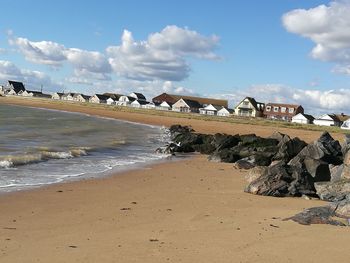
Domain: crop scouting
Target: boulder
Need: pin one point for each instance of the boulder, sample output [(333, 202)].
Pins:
[(223, 141), (342, 208), (331, 148), (243, 164), (336, 172), (178, 129), (318, 169), (288, 148), (318, 215), (282, 180), (225, 155), (255, 173), (346, 144), (346, 170), (333, 191)]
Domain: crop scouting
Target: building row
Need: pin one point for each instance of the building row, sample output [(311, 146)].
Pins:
[(247, 107)]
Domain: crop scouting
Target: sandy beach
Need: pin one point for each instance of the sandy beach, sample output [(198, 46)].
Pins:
[(189, 210)]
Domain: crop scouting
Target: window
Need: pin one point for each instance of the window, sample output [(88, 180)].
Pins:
[(268, 108), (275, 109), (245, 103), (283, 109), (291, 110)]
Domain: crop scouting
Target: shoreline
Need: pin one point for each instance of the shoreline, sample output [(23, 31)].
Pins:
[(188, 210)]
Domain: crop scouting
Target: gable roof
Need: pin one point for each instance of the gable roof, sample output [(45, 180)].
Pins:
[(306, 116), (213, 107), (138, 95), (330, 116), (17, 86), (283, 105), (141, 102), (192, 103), (342, 117), (172, 98), (113, 95), (101, 97)]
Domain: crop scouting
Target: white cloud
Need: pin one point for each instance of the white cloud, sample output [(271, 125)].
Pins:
[(314, 101), (162, 56), (88, 64), (328, 27), (32, 79)]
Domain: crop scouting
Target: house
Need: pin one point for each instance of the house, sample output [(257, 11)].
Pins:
[(223, 112), (346, 125), (110, 101), (210, 110), (10, 92), (81, 97), (56, 96), (125, 100), (171, 99), (98, 98), (249, 107), (15, 86), (67, 96), (303, 118), (24, 93), (113, 96), (138, 96), (138, 103), (39, 94), (327, 120), (279, 111), (186, 105), (164, 105), (150, 105), (2, 90), (342, 117)]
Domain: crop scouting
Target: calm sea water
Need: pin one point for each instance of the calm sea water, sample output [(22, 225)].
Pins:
[(40, 147)]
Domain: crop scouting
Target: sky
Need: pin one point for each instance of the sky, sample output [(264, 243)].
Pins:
[(290, 51)]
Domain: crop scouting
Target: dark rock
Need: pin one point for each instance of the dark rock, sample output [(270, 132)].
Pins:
[(318, 215), (243, 164), (278, 136), (225, 155), (318, 169), (178, 129), (346, 145), (281, 181), (331, 148), (342, 208), (333, 191), (288, 148), (223, 141)]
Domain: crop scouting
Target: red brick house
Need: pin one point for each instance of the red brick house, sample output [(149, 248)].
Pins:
[(284, 112)]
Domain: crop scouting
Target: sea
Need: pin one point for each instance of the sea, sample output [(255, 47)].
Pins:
[(41, 147)]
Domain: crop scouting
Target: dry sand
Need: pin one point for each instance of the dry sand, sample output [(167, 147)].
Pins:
[(190, 210)]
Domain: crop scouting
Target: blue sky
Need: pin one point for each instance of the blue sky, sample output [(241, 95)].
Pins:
[(284, 51)]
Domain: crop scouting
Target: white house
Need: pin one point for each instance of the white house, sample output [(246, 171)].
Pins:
[(164, 106), (303, 118), (138, 103), (223, 112), (67, 96), (80, 97), (150, 105), (210, 110), (14, 87), (184, 105), (11, 92), (56, 96), (110, 101), (327, 120), (249, 107), (346, 125), (98, 98), (125, 100)]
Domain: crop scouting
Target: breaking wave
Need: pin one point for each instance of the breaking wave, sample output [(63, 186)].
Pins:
[(23, 159)]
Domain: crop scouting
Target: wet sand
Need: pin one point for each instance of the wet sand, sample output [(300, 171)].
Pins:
[(190, 210)]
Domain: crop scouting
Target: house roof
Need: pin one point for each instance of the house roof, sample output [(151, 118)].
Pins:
[(172, 98), (342, 117), (141, 102), (331, 116), (139, 96), (283, 105), (192, 103), (113, 95), (213, 107), (306, 116), (58, 93), (101, 97), (17, 86)]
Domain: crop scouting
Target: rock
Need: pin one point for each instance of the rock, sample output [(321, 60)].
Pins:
[(288, 148), (318, 215), (331, 148), (311, 151), (223, 141), (281, 181), (346, 145), (333, 191), (336, 172), (243, 164), (342, 208), (278, 136), (225, 155), (318, 169), (178, 129), (204, 144), (346, 169), (255, 173)]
